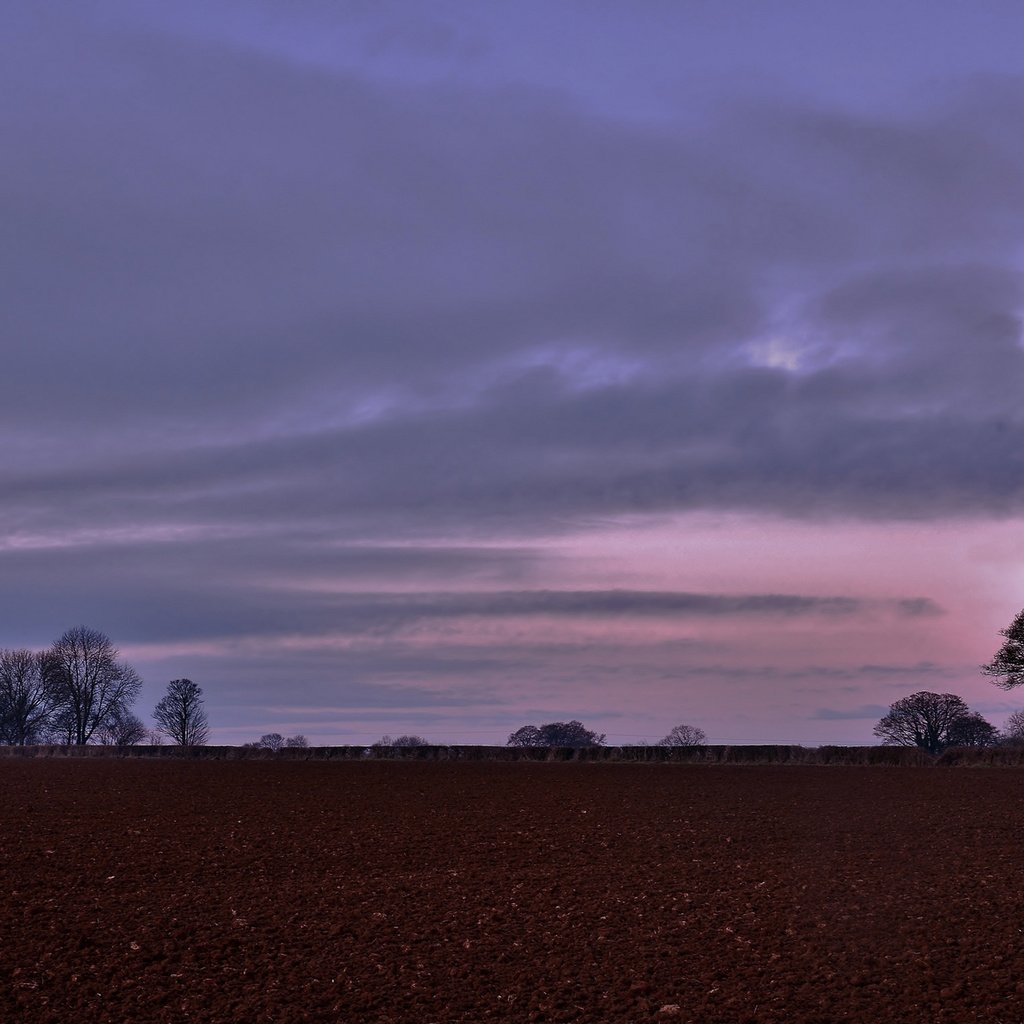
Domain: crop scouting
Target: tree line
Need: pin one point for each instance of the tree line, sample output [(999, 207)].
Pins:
[(79, 690)]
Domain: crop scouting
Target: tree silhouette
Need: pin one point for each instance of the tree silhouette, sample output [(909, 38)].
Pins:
[(555, 734), (402, 741), (181, 715), (684, 736), (1008, 665), (972, 731), (122, 730), (926, 720), (25, 699), (89, 686), (527, 736), (1013, 730)]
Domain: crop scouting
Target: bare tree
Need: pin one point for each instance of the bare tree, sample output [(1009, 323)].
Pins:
[(926, 720), (410, 740), (684, 736), (121, 729), (181, 715), (25, 700), (1008, 665), (1013, 730), (297, 741), (87, 682), (270, 741), (60, 727)]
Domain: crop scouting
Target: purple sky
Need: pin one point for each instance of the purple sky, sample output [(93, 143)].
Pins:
[(439, 368)]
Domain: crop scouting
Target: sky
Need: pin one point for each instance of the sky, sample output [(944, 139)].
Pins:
[(392, 367)]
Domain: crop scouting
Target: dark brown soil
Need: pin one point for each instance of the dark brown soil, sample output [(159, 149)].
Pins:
[(137, 891)]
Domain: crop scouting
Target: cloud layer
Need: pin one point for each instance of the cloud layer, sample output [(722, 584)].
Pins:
[(245, 289), (280, 325)]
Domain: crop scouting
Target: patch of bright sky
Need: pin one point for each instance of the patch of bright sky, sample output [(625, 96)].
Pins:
[(777, 353), (580, 367), (794, 353), (978, 565)]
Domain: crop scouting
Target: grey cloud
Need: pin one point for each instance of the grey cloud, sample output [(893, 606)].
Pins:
[(598, 603), (224, 586), (865, 711), (919, 606), (919, 179), (754, 441), (920, 668), (196, 600), (280, 557), (236, 221), (248, 251), (856, 674)]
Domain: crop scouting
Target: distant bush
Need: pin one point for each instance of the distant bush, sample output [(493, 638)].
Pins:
[(555, 734), (684, 736)]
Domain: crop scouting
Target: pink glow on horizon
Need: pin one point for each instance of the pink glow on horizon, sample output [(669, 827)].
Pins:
[(756, 677)]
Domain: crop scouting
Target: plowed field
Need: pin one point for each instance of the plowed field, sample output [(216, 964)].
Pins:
[(137, 890)]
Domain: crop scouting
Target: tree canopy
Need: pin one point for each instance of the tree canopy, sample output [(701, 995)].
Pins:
[(1007, 667), (684, 736), (932, 722), (972, 730), (555, 734)]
